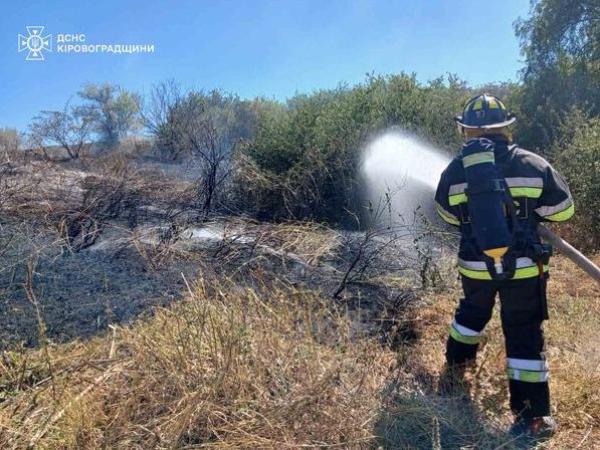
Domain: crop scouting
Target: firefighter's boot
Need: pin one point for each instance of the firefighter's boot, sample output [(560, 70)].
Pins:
[(452, 381), (533, 429)]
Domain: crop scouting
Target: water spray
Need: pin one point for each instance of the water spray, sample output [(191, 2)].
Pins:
[(405, 166), (403, 163)]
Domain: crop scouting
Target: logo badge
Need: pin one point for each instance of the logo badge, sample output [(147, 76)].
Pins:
[(35, 43)]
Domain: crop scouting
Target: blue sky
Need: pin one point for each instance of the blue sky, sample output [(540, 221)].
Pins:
[(253, 47)]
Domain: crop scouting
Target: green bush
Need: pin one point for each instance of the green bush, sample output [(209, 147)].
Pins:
[(578, 158), (310, 151)]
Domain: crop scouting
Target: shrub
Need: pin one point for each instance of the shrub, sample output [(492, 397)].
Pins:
[(10, 142), (578, 158), (311, 150), (169, 109), (67, 131), (112, 111)]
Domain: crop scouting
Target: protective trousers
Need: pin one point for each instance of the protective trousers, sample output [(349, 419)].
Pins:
[(523, 309)]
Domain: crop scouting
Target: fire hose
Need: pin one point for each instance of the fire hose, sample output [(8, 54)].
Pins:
[(570, 252)]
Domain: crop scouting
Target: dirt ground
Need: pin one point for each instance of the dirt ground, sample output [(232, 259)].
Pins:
[(60, 295), (80, 294)]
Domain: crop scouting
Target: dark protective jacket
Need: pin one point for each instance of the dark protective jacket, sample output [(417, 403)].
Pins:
[(539, 194)]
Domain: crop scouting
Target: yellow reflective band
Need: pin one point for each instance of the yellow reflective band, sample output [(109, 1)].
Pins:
[(446, 216), (477, 105), (528, 272), (529, 192), (524, 272), (478, 158), (471, 340), (528, 376), (562, 215), (457, 199), (475, 274), (492, 103)]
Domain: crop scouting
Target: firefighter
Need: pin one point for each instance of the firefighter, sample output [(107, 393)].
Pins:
[(538, 194)]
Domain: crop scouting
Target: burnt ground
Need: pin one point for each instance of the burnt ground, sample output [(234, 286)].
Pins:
[(56, 289), (80, 294)]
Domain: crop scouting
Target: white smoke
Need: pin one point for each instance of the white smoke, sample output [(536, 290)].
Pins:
[(407, 168)]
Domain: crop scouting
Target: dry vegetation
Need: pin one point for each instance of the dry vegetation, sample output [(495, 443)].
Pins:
[(279, 367), (231, 369), (261, 349)]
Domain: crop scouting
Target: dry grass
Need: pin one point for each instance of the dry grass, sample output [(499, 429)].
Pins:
[(573, 351), (277, 367), (226, 368)]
